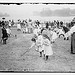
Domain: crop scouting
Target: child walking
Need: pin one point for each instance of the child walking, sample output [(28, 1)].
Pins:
[(39, 43), (47, 47)]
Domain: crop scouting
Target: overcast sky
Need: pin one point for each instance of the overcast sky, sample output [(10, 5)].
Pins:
[(26, 10)]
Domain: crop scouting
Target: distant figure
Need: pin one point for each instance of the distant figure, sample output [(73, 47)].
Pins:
[(54, 36), (9, 23), (18, 26), (15, 36), (35, 31)]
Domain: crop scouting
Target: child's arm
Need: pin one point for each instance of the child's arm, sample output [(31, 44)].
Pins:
[(32, 45)]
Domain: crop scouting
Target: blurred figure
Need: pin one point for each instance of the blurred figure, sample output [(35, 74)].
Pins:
[(0, 34), (8, 31), (9, 23), (18, 26), (4, 35), (39, 43)]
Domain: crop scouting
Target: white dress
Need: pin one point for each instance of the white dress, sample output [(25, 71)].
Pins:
[(26, 29), (10, 24), (8, 31), (54, 36), (18, 26), (47, 47), (35, 32), (39, 43)]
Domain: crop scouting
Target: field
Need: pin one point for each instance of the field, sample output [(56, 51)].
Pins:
[(15, 55)]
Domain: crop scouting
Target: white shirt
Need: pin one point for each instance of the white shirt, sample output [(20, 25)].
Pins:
[(9, 23), (8, 30), (18, 26), (72, 29), (39, 41)]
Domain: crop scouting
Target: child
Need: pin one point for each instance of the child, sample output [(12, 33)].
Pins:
[(18, 27), (39, 43), (54, 36), (47, 46)]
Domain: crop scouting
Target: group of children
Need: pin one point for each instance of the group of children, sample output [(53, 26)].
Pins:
[(42, 44)]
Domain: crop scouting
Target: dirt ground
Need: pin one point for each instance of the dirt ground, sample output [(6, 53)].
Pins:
[(15, 55)]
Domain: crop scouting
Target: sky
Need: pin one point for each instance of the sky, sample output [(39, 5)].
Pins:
[(27, 10)]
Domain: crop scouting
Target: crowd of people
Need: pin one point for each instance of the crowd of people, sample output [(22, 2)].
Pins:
[(44, 33)]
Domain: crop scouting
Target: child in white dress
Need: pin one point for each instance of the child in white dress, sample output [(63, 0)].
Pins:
[(18, 26), (39, 43), (54, 36), (47, 47)]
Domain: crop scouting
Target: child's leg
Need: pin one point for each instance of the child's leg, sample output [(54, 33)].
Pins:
[(44, 56), (40, 54), (4, 41), (47, 57)]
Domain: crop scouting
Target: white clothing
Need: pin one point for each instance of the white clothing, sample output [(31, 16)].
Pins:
[(38, 30), (9, 23), (70, 32), (72, 29), (61, 32), (47, 47), (40, 25), (18, 26), (35, 32), (54, 36), (26, 29), (8, 31), (39, 43)]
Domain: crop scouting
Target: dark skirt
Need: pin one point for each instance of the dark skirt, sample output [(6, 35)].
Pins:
[(73, 43)]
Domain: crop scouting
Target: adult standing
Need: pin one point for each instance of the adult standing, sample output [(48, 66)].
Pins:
[(0, 33), (72, 32), (4, 35), (4, 32)]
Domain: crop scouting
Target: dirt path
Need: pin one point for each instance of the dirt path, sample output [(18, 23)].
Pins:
[(11, 57)]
